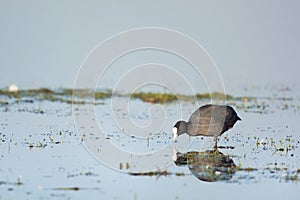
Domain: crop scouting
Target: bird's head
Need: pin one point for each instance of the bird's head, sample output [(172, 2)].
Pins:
[(179, 128)]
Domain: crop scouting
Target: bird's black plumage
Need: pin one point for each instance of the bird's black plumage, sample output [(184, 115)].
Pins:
[(208, 120)]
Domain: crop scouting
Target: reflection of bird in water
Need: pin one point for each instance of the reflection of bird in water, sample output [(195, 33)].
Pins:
[(207, 166), (208, 120)]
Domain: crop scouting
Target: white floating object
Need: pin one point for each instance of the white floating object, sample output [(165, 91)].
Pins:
[(13, 88)]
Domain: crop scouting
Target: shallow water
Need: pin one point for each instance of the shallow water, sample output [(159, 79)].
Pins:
[(42, 156)]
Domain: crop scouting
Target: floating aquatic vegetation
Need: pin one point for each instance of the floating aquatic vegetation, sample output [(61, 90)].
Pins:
[(247, 169), (67, 188), (214, 95), (85, 96), (4, 103), (74, 188), (166, 97), (17, 183), (156, 173), (294, 177), (82, 174), (154, 97)]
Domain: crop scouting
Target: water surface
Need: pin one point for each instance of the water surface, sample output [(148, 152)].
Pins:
[(42, 156)]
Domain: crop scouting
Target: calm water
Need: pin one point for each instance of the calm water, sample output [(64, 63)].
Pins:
[(42, 156)]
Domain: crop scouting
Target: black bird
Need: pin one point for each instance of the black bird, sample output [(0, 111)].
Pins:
[(208, 120)]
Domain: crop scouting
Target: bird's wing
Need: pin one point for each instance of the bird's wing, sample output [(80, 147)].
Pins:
[(216, 115), (202, 112), (206, 129)]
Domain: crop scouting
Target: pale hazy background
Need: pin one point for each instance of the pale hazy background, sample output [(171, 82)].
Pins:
[(254, 43)]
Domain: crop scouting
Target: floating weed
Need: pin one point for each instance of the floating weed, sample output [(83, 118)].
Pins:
[(67, 188), (214, 95), (151, 173), (51, 139), (18, 183), (44, 142), (247, 169), (154, 97), (38, 145), (157, 173), (179, 174), (103, 95), (293, 177), (272, 142), (69, 95), (3, 103), (88, 173), (284, 148), (73, 188), (226, 147), (257, 142), (85, 96)]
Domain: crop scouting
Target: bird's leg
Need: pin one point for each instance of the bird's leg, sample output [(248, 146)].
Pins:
[(215, 143)]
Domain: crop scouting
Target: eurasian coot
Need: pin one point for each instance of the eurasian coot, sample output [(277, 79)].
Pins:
[(208, 120)]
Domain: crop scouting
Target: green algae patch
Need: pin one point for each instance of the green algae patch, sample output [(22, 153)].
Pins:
[(154, 97), (103, 95), (66, 95), (69, 96), (214, 95), (87, 96), (151, 97), (83, 93), (246, 169)]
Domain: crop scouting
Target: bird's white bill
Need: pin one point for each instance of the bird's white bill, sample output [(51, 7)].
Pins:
[(174, 156), (174, 133)]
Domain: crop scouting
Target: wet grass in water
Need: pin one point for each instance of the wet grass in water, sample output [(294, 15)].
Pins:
[(79, 96)]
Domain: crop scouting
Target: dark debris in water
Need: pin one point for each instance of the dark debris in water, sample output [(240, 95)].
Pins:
[(74, 188), (156, 173), (226, 147), (246, 169), (17, 183), (67, 188), (82, 174), (50, 139)]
